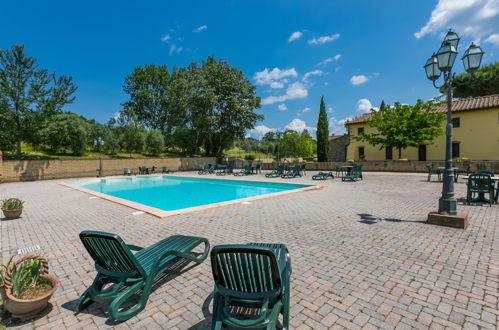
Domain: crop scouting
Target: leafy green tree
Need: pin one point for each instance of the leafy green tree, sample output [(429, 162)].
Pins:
[(403, 126), (99, 134), (215, 101), (29, 95), (485, 82), (183, 137), (296, 144), (322, 134), (67, 131), (155, 142), (129, 132)]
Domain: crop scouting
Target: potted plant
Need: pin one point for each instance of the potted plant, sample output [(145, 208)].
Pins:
[(12, 208), (28, 286)]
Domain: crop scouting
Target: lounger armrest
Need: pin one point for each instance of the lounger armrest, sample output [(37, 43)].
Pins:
[(134, 247), (185, 255)]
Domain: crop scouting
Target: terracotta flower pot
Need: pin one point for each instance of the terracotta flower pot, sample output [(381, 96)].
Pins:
[(12, 214), (25, 308)]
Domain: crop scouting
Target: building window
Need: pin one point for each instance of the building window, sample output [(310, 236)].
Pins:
[(360, 130), (389, 153), (455, 149), (456, 122), (361, 153)]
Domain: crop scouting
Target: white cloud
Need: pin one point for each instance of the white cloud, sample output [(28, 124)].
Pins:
[(306, 109), (329, 60), (358, 80), (330, 109), (282, 107), (364, 106), (299, 125), (166, 38), (294, 91), (275, 77), (337, 126), (259, 131), (295, 36), (476, 19), (200, 28), (324, 39), (493, 39), (175, 49), (311, 73)]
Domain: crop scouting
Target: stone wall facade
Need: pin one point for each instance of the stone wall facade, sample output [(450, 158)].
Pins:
[(396, 166), (29, 170), (338, 148)]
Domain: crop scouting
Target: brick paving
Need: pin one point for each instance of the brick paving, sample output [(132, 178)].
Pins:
[(362, 256)]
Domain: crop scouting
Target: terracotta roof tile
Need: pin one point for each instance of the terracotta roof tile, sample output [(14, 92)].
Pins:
[(475, 103)]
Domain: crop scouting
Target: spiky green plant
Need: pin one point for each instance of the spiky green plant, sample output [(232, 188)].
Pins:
[(11, 204)]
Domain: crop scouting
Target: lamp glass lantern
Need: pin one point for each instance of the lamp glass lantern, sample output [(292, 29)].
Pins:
[(446, 56), (472, 58), (431, 68), (452, 38)]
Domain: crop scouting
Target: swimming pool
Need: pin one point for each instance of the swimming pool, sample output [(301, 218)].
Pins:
[(164, 195)]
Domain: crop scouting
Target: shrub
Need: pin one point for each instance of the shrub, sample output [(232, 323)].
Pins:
[(250, 157)]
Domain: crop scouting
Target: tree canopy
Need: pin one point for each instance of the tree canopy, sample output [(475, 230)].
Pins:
[(485, 81), (215, 102), (402, 125), (29, 96)]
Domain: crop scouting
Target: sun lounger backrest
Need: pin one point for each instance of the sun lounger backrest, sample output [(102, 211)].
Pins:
[(245, 270), (110, 253)]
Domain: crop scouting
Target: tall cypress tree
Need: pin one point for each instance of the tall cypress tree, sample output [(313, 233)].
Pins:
[(322, 134)]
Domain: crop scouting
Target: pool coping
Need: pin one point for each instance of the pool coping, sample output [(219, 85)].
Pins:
[(163, 214)]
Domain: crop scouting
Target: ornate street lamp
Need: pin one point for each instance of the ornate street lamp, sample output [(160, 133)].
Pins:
[(443, 62)]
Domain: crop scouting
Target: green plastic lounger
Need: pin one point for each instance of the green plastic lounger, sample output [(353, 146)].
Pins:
[(225, 171), (323, 176), (245, 171), (127, 171), (277, 172), (255, 278), (293, 172), (116, 264)]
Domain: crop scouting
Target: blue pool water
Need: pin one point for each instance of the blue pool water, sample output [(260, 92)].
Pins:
[(173, 193)]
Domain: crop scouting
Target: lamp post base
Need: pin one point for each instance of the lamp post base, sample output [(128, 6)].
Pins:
[(459, 220)]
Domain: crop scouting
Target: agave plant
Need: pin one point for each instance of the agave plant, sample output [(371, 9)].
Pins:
[(24, 275), (11, 204)]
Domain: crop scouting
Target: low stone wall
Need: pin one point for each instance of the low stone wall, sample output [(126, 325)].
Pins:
[(396, 166), (29, 170)]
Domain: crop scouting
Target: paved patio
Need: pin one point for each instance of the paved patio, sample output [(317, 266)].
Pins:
[(362, 255)]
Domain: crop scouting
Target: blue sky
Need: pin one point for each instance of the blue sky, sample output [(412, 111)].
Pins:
[(354, 53)]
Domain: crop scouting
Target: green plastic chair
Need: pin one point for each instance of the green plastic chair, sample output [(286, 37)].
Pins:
[(293, 172), (338, 169), (276, 173), (481, 184), (323, 176), (116, 264), (355, 173), (432, 171), (253, 278)]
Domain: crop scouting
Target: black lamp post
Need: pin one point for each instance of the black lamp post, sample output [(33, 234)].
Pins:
[(442, 62)]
